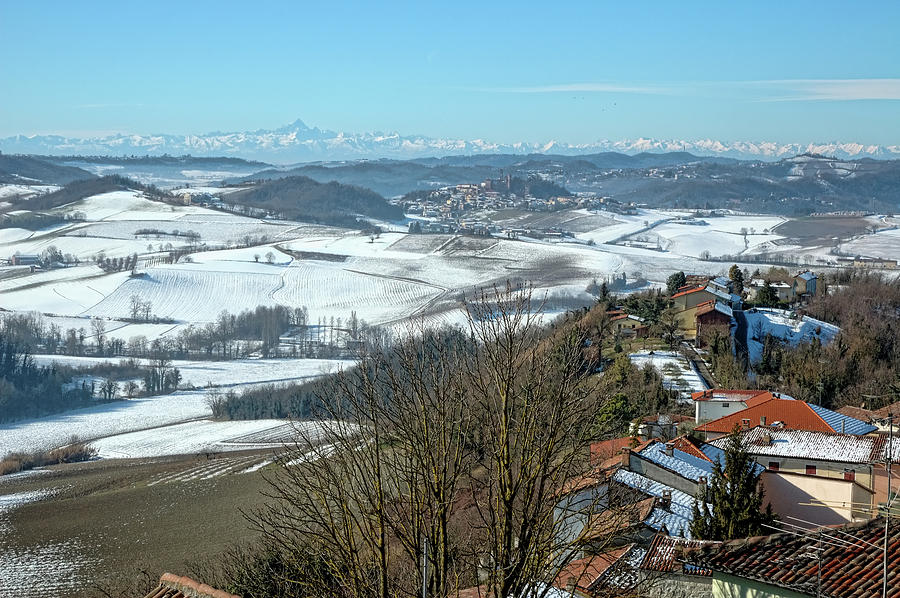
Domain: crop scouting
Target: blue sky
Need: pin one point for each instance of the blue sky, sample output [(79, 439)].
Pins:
[(572, 71)]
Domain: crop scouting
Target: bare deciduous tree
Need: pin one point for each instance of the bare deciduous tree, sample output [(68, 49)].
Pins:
[(448, 448)]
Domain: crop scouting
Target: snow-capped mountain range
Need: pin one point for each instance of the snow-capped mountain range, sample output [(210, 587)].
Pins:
[(297, 142)]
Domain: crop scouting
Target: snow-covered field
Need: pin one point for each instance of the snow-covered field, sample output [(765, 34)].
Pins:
[(224, 373), (153, 412), (677, 372), (186, 438), (784, 325), (394, 280), (884, 244)]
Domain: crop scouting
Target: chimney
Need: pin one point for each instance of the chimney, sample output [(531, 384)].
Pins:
[(670, 449), (702, 480), (625, 457), (843, 425), (762, 420), (767, 439), (665, 501), (570, 585)]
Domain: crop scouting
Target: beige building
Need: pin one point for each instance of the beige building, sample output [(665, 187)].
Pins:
[(818, 477)]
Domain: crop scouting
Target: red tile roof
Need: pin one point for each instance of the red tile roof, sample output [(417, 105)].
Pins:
[(690, 446), (587, 572), (609, 521), (662, 553), (173, 586), (706, 307), (689, 291), (857, 413), (795, 415), (850, 557), (600, 451), (892, 409)]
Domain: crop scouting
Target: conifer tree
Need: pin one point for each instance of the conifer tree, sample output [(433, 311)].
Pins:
[(737, 278), (730, 506), (675, 281)]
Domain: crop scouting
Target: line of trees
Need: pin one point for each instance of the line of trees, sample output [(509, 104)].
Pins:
[(231, 336), (27, 390)]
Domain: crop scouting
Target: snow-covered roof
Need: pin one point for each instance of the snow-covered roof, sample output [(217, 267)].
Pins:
[(677, 518), (733, 298), (722, 308), (719, 293), (807, 276), (684, 464), (721, 281), (804, 444)]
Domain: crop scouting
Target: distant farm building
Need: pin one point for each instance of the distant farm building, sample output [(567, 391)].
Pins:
[(25, 259)]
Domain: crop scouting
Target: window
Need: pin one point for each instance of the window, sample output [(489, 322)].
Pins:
[(773, 466), (810, 470), (725, 405), (849, 475)]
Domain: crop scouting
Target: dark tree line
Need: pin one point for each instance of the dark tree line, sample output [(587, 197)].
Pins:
[(303, 199), (27, 390)]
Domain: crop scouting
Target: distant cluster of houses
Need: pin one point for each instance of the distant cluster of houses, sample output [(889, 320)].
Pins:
[(448, 207), (818, 467)]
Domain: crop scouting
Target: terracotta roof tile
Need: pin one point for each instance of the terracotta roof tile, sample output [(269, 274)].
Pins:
[(892, 409), (857, 413), (795, 415), (851, 559), (689, 291), (587, 572), (662, 553), (605, 449)]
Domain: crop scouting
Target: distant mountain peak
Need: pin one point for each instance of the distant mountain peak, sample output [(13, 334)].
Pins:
[(297, 142)]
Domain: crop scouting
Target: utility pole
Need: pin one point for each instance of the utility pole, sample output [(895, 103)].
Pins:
[(887, 510)]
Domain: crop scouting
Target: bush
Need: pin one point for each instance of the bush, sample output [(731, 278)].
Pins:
[(73, 452)]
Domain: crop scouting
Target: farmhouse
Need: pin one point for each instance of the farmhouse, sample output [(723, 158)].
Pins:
[(710, 315), (627, 325), (804, 284), (23, 259), (691, 301), (818, 477)]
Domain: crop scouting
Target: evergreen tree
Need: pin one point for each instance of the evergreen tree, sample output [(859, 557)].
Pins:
[(767, 296), (675, 281), (737, 278), (730, 506)]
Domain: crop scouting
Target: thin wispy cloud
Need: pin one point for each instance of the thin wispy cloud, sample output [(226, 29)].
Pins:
[(834, 89), (772, 90)]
